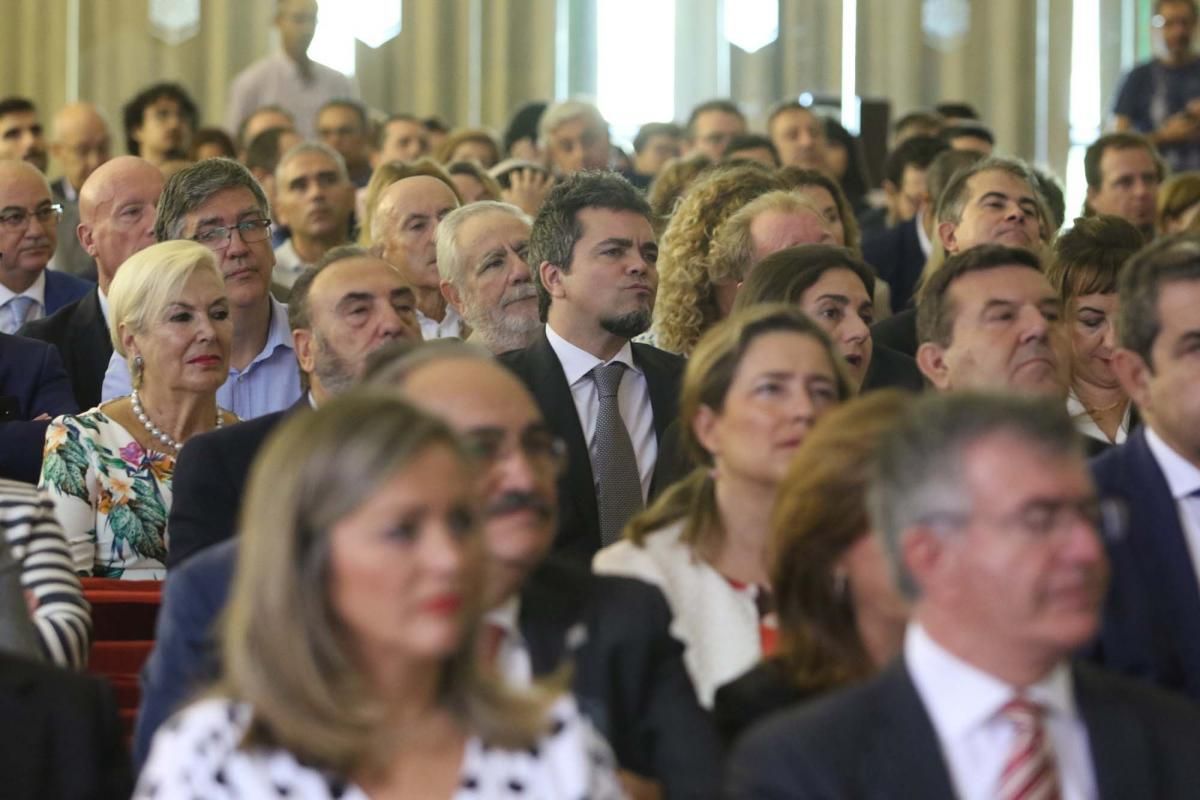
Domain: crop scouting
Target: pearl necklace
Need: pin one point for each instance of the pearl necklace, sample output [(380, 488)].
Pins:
[(155, 431)]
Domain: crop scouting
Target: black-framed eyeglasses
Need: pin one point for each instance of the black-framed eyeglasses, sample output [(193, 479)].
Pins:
[(218, 238), (541, 447), (14, 217)]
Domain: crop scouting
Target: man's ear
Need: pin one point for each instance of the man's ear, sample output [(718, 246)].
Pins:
[(946, 232), (552, 276), (931, 360), (1134, 375), (451, 294), (305, 347), (86, 239), (922, 549)]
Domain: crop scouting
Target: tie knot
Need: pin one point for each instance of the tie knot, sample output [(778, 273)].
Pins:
[(608, 378), (1023, 712)]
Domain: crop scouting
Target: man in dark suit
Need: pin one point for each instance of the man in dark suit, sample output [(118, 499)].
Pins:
[(991, 525), (341, 310), (116, 219), (28, 234), (592, 251), (61, 737), (1152, 621), (33, 389)]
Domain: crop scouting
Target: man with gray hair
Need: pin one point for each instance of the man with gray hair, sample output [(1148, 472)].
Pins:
[(314, 199), (991, 522), (217, 203), (574, 137), (482, 258)]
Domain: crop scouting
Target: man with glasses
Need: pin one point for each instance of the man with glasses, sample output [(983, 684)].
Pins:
[(992, 528), (28, 235), (218, 203)]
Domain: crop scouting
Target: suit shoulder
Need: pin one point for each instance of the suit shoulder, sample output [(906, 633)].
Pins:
[(52, 328), (1163, 715), (48, 682), (658, 358), (64, 282), (248, 434)]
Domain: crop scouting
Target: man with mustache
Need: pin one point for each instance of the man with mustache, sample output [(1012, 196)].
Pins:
[(989, 320), (314, 198), (482, 256)]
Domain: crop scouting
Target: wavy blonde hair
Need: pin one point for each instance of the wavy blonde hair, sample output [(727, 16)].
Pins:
[(687, 305)]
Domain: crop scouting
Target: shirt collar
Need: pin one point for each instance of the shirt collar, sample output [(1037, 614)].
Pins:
[(1183, 478), (577, 363), (922, 237), (279, 334), (507, 614), (960, 697), (103, 304), (36, 290)]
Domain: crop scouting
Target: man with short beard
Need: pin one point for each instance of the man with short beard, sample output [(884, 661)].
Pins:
[(481, 255), (592, 252)]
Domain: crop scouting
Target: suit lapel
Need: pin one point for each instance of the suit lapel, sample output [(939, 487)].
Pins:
[(89, 342), (905, 752), (1119, 752)]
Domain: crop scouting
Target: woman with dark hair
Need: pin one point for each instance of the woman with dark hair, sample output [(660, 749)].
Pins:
[(840, 617), (844, 157), (833, 286), (754, 387), (350, 668)]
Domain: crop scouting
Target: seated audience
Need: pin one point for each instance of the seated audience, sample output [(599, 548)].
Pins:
[(262, 158), (841, 619), (754, 387), (904, 182), (343, 125), (799, 135), (823, 192), (212, 143), (916, 123), (688, 302), (711, 126), (992, 527), (524, 184), (969, 135), (28, 237), (108, 470), (845, 163), (80, 143), (469, 144), (1084, 270), (574, 137), (315, 200), (482, 256), (34, 542), (833, 287), (673, 181), (655, 144), (472, 182), (385, 512), (1178, 203), (159, 123), (1124, 173), (436, 131), (401, 138), (521, 135), (263, 118), (752, 147)]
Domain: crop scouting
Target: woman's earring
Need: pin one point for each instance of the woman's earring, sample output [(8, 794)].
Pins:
[(139, 367)]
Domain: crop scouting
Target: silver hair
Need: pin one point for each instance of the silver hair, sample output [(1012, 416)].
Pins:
[(312, 147), (566, 111), (449, 258), (918, 475), (194, 186)]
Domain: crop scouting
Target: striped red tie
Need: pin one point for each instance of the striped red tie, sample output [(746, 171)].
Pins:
[(1029, 771)]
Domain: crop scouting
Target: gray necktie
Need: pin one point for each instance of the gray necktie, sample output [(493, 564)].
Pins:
[(614, 464), (17, 309)]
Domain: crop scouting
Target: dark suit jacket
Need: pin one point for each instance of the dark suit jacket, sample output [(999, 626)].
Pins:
[(62, 289), (1152, 617), (210, 477), (889, 369), (628, 671), (60, 737), (896, 255), (81, 335), (876, 740), (32, 382), (898, 332), (579, 516)]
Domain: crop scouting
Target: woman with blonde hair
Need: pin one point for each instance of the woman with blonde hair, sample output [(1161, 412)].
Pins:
[(350, 669), (108, 470), (840, 618), (1178, 204), (671, 183), (687, 303), (753, 389)]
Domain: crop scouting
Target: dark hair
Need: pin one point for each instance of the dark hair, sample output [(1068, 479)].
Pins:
[(435, 124), (722, 105), (1088, 258), (1050, 190), (345, 102), (785, 275), (381, 130), (652, 129), (192, 187), (263, 151), (958, 110), (799, 178), (1171, 258), (954, 197), (1121, 140), (556, 228), (523, 125), (855, 182), (973, 129), (245, 123), (942, 169), (783, 106), (935, 312), (916, 151), (491, 186), (16, 105), (215, 136), (134, 113), (924, 119), (750, 141)]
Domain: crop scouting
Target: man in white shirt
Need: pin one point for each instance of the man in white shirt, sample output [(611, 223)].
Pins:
[(314, 198), (289, 78), (992, 528), (1152, 623)]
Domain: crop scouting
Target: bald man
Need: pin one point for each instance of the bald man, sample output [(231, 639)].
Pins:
[(117, 204), (79, 143)]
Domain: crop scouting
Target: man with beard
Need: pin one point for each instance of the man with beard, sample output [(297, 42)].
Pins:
[(482, 258), (159, 123), (341, 310), (593, 253), (314, 198)]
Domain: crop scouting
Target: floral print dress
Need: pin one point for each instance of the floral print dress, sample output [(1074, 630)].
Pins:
[(110, 495)]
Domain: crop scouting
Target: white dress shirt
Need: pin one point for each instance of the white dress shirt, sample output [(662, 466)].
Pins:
[(35, 292), (512, 660), (1183, 479), (288, 265), (964, 704), (276, 80), (450, 326), (1088, 427), (633, 399)]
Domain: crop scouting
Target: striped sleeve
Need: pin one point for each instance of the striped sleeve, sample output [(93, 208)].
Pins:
[(63, 618)]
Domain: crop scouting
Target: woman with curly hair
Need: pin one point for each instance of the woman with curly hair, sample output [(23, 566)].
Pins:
[(688, 301), (672, 182)]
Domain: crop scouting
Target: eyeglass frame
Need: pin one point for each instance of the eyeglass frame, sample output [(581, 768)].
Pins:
[(221, 236), (53, 209), (491, 446), (1108, 520)]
